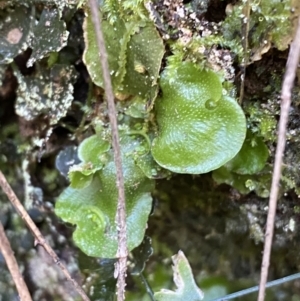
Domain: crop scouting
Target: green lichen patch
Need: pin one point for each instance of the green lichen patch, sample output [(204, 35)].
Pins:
[(128, 10), (199, 129), (246, 171), (262, 117), (270, 23), (93, 207), (49, 35)]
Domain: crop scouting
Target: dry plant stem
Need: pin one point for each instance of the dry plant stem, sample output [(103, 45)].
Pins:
[(12, 265), (121, 210), (256, 288), (287, 85), (37, 234), (245, 29)]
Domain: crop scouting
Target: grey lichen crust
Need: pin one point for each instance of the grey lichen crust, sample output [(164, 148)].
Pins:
[(48, 92), (49, 35), (15, 28)]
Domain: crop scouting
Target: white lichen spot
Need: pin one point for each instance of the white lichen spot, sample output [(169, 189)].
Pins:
[(14, 36)]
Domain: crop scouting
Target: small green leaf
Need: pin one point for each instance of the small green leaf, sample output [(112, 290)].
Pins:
[(150, 168), (252, 157), (144, 55), (135, 51), (260, 183), (223, 175), (91, 149), (81, 175), (113, 36), (90, 216), (137, 108), (97, 236), (199, 130), (187, 289), (144, 159), (244, 171)]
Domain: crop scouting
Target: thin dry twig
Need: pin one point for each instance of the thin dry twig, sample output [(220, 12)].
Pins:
[(37, 234), (121, 209), (287, 85), (245, 29), (12, 265), (256, 288)]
